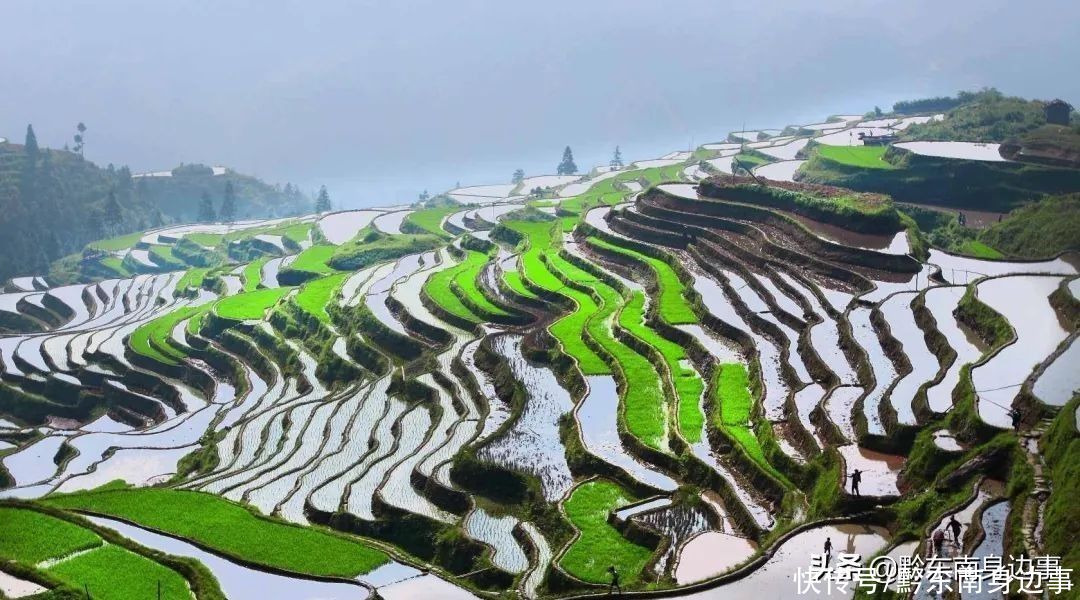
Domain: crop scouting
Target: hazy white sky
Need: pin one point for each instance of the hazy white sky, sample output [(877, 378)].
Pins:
[(380, 100)]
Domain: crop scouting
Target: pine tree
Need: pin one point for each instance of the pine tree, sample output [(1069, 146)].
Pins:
[(519, 176), (31, 143), (114, 216), (567, 166), (206, 209), (228, 204), (616, 160), (322, 202)]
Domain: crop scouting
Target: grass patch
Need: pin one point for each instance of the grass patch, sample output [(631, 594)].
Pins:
[(514, 282), (252, 274), (864, 157), (315, 260), (249, 305), (30, 537), (979, 250), (231, 529), (192, 279), (116, 264), (115, 573), (120, 242), (371, 246), (315, 295), (600, 545), (440, 287), (429, 220), (166, 257)]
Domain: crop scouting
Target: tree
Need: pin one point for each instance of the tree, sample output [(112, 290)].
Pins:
[(567, 166), (31, 143), (80, 137), (228, 204), (424, 195), (616, 160), (206, 209), (114, 215), (322, 202), (877, 111), (518, 177)]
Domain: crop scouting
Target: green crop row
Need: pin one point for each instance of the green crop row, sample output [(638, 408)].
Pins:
[(643, 395), (688, 383), (733, 407), (231, 529), (252, 274), (600, 545), (430, 219), (152, 338), (673, 306), (192, 279), (439, 287)]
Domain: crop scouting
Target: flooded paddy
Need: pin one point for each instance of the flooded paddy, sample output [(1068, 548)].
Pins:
[(1061, 379), (775, 580), (598, 415), (1024, 302), (924, 365), (961, 150), (532, 444), (341, 227), (780, 171), (941, 302)]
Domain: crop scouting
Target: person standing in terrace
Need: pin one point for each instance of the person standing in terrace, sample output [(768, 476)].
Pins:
[(856, 479), (614, 585)]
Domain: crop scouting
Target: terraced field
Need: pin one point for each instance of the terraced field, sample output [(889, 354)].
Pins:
[(673, 378)]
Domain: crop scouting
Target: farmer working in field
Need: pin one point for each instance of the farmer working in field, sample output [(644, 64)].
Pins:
[(614, 585), (955, 526), (856, 479)]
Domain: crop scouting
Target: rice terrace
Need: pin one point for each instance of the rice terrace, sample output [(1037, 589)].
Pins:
[(680, 375)]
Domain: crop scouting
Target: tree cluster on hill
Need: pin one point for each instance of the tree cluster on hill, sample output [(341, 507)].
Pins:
[(54, 202), (986, 116)]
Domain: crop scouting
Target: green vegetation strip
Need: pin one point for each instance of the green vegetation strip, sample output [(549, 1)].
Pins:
[(734, 406), (673, 306), (315, 295), (192, 279), (30, 537), (232, 530), (115, 573), (152, 339), (249, 305), (252, 274), (430, 219), (106, 571), (120, 242), (688, 384), (864, 157), (600, 545), (463, 276), (315, 259), (643, 395)]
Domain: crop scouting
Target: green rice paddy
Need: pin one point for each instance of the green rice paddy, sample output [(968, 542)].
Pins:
[(673, 306), (252, 274), (249, 305), (316, 294), (865, 157), (231, 529), (152, 339), (600, 545), (315, 260)]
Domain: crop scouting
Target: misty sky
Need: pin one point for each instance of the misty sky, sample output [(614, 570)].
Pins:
[(379, 100)]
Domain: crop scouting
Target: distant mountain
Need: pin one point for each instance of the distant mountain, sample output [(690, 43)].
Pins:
[(53, 202)]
